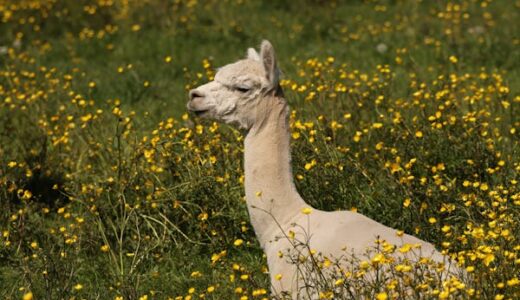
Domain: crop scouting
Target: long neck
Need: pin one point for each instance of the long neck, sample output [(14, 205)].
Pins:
[(271, 196)]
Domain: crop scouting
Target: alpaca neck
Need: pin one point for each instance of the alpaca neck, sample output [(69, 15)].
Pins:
[(271, 195)]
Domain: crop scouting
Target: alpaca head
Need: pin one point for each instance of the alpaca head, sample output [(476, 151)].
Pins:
[(236, 94)]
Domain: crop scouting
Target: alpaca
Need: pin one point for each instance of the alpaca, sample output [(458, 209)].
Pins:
[(247, 93)]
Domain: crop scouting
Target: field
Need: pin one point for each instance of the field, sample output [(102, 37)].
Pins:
[(406, 111)]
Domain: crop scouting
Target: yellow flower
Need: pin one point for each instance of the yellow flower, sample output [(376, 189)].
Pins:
[(382, 296), (306, 211), (86, 118), (259, 292), (326, 295), (419, 134), (196, 274), (216, 257), (513, 282), (27, 195), (364, 265), (378, 258), (238, 242), (326, 263), (403, 268), (405, 248), (488, 259), (278, 277), (105, 248), (309, 165), (203, 216), (453, 59), (444, 294), (28, 296), (78, 286)]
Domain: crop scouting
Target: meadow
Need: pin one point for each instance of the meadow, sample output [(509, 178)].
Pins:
[(406, 111)]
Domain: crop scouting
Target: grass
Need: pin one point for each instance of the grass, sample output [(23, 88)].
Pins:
[(406, 111)]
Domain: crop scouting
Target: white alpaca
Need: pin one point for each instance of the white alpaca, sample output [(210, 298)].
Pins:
[(248, 93)]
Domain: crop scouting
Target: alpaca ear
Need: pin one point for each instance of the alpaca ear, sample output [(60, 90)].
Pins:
[(268, 59), (252, 54)]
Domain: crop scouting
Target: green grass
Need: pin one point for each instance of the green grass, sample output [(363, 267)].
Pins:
[(166, 196)]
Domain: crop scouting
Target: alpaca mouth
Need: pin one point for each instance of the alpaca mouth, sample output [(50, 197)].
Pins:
[(201, 112), (197, 111)]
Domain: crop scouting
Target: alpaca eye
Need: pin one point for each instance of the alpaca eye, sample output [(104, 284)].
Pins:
[(242, 89)]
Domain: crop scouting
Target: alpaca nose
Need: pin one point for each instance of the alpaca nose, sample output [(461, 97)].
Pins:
[(195, 94)]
